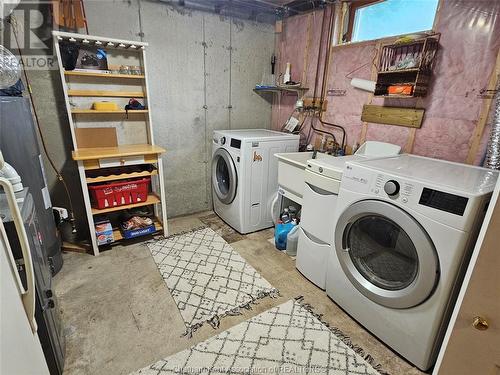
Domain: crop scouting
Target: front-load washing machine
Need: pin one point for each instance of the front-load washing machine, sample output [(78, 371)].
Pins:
[(404, 231), (245, 175)]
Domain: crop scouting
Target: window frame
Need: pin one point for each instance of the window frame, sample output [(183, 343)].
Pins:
[(356, 5)]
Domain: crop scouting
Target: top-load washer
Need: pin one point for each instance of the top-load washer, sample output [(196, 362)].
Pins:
[(245, 175), (322, 183), (404, 230)]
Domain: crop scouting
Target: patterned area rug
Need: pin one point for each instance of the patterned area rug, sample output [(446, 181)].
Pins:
[(288, 339), (219, 226), (207, 278)]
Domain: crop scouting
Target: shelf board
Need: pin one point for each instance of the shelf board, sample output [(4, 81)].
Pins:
[(117, 234), (281, 89), (106, 93), (123, 176), (82, 111), (152, 199), (103, 75), (118, 151), (398, 96), (409, 70)]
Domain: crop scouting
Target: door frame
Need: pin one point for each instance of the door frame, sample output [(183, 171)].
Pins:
[(474, 299)]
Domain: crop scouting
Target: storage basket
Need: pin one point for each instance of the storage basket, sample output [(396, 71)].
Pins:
[(119, 193)]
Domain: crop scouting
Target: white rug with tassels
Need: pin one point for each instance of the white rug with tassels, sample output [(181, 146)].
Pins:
[(287, 339), (208, 279)]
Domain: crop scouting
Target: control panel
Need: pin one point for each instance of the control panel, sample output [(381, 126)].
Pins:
[(392, 188)]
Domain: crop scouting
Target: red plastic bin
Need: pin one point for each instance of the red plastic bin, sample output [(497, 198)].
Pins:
[(119, 193)]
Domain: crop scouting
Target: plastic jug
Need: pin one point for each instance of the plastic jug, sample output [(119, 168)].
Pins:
[(292, 240), (280, 234)]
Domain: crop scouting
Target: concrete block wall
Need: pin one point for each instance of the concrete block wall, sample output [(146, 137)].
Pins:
[(201, 70)]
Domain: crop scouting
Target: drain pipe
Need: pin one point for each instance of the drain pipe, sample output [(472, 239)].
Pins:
[(493, 149), (8, 172)]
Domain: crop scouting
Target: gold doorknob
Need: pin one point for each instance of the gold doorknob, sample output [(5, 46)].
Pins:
[(480, 323)]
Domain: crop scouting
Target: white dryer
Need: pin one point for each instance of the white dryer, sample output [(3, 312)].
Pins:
[(245, 175), (404, 231)]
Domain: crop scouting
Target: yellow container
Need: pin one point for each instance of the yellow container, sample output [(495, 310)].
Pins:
[(105, 106)]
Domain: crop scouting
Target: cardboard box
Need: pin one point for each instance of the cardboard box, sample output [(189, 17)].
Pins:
[(104, 232)]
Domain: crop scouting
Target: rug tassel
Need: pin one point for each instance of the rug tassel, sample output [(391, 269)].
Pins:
[(214, 321), (342, 336)]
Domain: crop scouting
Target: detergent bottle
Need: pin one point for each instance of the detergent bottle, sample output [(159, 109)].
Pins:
[(281, 232)]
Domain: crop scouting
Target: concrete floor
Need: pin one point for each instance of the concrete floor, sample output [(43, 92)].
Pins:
[(118, 315)]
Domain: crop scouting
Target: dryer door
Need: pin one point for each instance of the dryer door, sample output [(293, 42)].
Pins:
[(224, 176), (386, 254)]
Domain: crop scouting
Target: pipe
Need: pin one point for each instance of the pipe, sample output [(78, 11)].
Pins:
[(319, 56), (9, 173), (325, 79), (493, 149)]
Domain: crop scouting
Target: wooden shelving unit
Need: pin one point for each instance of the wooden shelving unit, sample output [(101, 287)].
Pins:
[(407, 64), (135, 158)]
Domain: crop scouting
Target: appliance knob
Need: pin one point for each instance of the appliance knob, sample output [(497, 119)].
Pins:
[(49, 293), (223, 141), (391, 187)]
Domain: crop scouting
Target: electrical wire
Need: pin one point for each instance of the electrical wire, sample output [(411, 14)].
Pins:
[(59, 176)]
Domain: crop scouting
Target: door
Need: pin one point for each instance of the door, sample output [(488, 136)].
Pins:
[(224, 176), (386, 254), (472, 342)]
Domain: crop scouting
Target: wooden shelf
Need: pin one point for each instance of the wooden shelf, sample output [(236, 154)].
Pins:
[(81, 111), (103, 75), (105, 93), (152, 199), (110, 152), (123, 176), (409, 70), (281, 89), (117, 234), (103, 150)]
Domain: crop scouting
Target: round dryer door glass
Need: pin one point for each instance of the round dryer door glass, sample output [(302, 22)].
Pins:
[(386, 254), (382, 252), (224, 177)]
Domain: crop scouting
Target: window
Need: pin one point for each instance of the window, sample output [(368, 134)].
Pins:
[(372, 19)]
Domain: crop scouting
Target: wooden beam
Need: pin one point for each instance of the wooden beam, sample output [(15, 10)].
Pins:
[(373, 77), (306, 50), (483, 116), (412, 132), (409, 117)]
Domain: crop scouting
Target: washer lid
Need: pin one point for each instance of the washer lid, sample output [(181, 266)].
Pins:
[(257, 135), (454, 176), (331, 166)]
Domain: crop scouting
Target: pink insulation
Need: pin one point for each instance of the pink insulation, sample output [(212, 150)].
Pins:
[(470, 40)]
